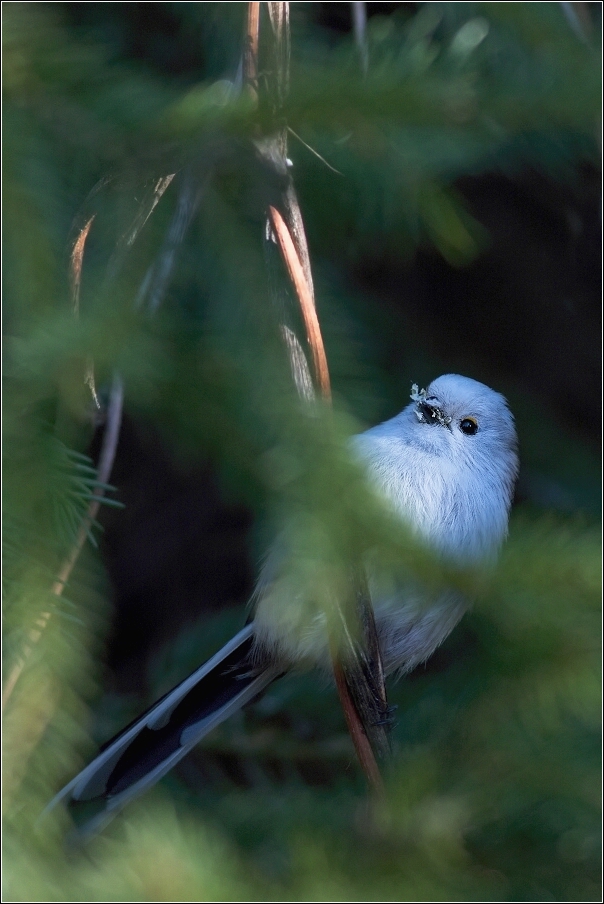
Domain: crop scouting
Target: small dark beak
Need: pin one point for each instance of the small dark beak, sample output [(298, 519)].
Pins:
[(431, 414)]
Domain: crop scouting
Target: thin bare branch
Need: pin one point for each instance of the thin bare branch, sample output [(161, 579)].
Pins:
[(156, 280), (305, 297), (77, 257), (357, 732), (361, 663), (293, 216), (250, 54), (316, 153), (90, 383), (299, 365), (146, 209), (279, 16), (75, 274), (357, 665), (356, 661)]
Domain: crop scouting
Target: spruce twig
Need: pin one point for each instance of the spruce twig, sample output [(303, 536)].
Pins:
[(106, 459)]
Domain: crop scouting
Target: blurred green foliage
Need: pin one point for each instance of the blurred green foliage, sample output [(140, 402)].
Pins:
[(493, 791)]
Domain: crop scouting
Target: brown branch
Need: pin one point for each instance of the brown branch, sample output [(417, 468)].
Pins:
[(279, 17), (77, 257), (361, 661), (293, 217), (250, 54), (367, 730), (75, 277), (307, 305), (357, 664), (357, 731)]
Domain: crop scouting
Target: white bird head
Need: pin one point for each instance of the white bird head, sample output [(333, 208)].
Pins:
[(448, 463)]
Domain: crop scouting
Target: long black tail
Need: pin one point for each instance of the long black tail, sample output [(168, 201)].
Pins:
[(151, 745)]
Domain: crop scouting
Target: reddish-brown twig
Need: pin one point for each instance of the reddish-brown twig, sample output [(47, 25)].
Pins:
[(357, 732), (287, 227), (307, 306), (250, 55)]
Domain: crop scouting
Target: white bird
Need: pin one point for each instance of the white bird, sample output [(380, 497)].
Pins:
[(447, 465)]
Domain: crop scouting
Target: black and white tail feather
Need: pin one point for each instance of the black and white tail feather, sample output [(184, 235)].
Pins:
[(151, 745)]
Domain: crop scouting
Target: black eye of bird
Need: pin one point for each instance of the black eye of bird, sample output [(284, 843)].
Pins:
[(469, 426)]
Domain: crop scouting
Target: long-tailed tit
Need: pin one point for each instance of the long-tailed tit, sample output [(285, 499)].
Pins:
[(446, 465)]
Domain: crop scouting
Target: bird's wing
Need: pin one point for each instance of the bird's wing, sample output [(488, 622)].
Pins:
[(151, 745)]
